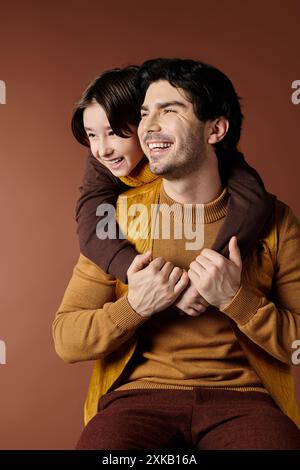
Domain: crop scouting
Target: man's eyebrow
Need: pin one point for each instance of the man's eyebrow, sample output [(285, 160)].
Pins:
[(165, 105)]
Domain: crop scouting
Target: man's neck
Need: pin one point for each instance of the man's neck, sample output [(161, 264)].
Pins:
[(199, 187)]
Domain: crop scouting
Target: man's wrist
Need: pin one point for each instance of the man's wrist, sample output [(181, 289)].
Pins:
[(243, 306), (144, 313), (124, 316), (229, 299)]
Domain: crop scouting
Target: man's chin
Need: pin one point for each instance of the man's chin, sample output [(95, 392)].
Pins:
[(156, 169)]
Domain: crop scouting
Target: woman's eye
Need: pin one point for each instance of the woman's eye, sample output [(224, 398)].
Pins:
[(111, 133), (90, 135)]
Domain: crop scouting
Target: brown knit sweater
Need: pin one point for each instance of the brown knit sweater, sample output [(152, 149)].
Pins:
[(179, 351)]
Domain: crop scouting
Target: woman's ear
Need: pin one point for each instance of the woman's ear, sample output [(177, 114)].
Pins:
[(217, 130)]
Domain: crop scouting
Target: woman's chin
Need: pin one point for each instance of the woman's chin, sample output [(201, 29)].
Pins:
[(121, 172)]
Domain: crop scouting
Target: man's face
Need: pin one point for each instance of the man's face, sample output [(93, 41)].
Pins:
[(171, 135)]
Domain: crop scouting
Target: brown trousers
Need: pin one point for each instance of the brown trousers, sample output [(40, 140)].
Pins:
[(200, 419)]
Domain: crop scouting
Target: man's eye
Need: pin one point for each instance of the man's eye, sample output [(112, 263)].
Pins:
[(169, 110), (143, 115)]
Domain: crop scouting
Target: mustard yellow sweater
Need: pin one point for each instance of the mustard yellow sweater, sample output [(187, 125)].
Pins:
[(181, 352), (92, 324)]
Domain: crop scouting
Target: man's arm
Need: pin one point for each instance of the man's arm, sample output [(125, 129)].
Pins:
[(90, 323), (273, 323)]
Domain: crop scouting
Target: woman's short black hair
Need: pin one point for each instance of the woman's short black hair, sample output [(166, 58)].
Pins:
[(209, 90), (115, 90)]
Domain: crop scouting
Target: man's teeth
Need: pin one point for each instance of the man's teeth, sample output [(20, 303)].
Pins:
[(162, 145)]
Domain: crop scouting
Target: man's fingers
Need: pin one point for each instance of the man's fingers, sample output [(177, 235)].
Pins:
[(192, 312), (213, 255), (167, 268), (158, 263), (200, 306), (140, 262), (206, 263), (194, 277), (175, 274), (182, 283), (197, 268), (234, 252), (201, 300)]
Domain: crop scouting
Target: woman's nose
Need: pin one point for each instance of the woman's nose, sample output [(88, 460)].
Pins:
[(104, 149)]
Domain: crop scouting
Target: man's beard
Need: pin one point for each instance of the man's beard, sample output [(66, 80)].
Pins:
[(192, 156)]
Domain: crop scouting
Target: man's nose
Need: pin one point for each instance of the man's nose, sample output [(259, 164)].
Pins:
[(151, 123)]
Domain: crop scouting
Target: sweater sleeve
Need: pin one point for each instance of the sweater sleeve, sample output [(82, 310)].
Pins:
[(273, 322), (99, 186), (90, 323), (249, 211)]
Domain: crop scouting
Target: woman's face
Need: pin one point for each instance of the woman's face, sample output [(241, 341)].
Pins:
[(119, 155)]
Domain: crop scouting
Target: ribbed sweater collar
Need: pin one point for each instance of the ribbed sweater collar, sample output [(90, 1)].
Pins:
[(204, 213)]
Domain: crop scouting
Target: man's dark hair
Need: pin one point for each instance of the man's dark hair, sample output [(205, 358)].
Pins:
[(115, 90), (210, 91)]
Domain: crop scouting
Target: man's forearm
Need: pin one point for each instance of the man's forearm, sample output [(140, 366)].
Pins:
[(84, 335), (273, 321), (90, 323)]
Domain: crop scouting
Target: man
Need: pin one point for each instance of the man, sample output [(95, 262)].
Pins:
[(207, 379)]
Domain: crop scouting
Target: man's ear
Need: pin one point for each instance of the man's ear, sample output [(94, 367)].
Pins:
[(217, 129)]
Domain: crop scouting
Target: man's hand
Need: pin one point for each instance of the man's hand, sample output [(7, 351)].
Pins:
[(154, 285), (191, 302), (215, 277)]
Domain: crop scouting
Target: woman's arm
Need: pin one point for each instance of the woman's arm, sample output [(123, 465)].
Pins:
[(248, 214), (249, 211), (100, 186)]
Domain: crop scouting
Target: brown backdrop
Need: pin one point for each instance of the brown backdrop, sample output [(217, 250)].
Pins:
[(49, 53)]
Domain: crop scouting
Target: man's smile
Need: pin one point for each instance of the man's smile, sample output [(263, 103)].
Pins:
[(157, 148), (155, 145)]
